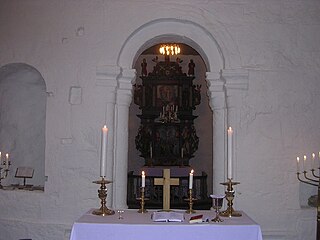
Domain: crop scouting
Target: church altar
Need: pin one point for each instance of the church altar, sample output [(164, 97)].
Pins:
[(135, 225)]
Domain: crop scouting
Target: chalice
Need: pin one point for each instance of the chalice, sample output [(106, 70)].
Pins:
[(217, 205)]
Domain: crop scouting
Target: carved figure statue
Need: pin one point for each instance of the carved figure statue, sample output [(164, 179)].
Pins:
[(144, 67), (191, 66), (138, 95), (196, 95)]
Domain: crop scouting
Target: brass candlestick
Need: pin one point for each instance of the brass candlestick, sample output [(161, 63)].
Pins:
[(102, 194), (191, 200), (142, 200), (230, 212)]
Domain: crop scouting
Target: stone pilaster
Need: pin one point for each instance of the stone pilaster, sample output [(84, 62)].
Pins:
[(236, 84), (123, 100), (224, 91), (217, 101), (106, 77)]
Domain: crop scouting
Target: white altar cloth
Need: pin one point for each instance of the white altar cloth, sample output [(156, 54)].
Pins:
[(137, 226)]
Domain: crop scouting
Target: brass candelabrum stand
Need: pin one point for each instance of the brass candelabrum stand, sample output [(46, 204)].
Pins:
[(4, 172), (142, 200), (313, 181), (190, 201), (230, 212), (102, 194)]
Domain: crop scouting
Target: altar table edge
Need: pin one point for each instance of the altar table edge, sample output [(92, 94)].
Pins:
[(140, 226)]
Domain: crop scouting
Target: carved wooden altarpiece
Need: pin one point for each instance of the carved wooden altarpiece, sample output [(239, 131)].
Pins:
[(167, 98), (167, 136)]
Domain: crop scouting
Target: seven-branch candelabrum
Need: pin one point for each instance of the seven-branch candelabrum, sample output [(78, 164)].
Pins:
[(309, 177), (169, 114), (4, 167)]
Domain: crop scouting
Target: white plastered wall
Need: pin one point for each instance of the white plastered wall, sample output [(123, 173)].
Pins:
[(274, 44)]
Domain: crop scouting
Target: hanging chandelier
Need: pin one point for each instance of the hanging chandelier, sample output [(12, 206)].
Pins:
[(169, 49)]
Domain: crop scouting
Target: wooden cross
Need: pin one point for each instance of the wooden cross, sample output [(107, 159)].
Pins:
[(166, 181)]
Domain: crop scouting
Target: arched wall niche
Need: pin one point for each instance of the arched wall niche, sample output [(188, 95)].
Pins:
[(119, 79), (22, 121)]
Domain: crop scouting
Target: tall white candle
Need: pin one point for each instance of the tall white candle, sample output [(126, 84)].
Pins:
[(182, 152), (7, 160), (191, 179), (229, 163), (0, 159), (298, 164), (313, 161), (103, 160), (151, 150), (143, 179), (304, 162)]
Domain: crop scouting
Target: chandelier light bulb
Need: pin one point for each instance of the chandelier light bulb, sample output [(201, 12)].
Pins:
[(169, 49)]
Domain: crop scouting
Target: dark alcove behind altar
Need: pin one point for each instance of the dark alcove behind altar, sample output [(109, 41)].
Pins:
[(170, 126)]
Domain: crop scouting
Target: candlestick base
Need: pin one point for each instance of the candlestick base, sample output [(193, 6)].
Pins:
[(102, 194), (142, 200), (190, 201), (142, 210), (190, 211), (230, 212), (103, 212)]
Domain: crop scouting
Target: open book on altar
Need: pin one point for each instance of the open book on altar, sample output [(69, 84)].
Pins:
[(167, 217)]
